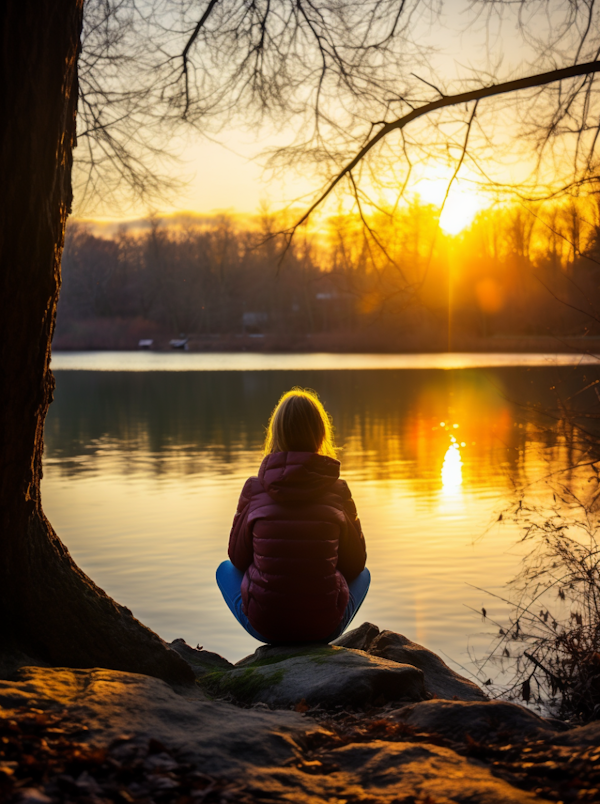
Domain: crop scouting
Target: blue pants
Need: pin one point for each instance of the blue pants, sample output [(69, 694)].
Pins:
[(229, 581)]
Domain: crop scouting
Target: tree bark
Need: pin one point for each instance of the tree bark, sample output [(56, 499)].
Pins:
[(48, 606)]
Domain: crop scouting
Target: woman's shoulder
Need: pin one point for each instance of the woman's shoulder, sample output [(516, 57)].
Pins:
[(342, 489), (251, 487), (250, 492), (345, 497)]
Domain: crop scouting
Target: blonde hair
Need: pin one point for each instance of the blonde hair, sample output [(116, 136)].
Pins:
[(300, 423)]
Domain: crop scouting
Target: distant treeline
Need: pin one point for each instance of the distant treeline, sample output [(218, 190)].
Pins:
[(396, 283)]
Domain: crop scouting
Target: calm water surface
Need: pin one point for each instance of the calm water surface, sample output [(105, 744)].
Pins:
[(143, 469)]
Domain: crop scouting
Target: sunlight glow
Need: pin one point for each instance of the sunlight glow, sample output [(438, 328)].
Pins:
[(461, 206), (452, 469), (458, 212)]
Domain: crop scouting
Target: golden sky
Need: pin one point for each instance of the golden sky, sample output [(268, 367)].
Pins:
[(228, 174)]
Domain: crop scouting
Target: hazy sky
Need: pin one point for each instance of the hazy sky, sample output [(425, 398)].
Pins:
[(228, 177)]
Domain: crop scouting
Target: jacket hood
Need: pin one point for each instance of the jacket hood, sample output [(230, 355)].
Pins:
[(288, 476)]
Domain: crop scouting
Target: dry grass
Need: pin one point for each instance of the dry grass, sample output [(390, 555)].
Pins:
[(552, 637)]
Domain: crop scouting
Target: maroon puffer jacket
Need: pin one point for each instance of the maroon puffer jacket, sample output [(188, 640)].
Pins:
[(298, 540)]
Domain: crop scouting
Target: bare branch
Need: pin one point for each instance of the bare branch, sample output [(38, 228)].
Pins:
[(186, 50), (451, 100)]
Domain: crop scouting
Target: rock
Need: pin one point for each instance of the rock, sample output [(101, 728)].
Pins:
[(390, 773), (272, 654), (360, 668), (201, 661), (172, 742), (109, 705), (360, 638), (480, 720), (318, 675), (580, 735), (31, 795), (283, 675), (12, 660), (440, 680)]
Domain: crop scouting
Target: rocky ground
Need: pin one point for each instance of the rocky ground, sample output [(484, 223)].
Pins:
[(371, 718)]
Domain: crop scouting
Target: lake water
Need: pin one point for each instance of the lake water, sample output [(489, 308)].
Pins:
[(146, 455)]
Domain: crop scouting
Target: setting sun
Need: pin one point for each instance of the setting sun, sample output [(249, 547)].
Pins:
[(459, 212), (461, 205)]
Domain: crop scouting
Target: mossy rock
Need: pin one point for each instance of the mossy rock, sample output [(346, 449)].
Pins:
[(318, 675), (244, 686), (273, 654)]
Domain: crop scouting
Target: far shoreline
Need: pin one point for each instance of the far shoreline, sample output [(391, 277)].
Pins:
[(331, 343)]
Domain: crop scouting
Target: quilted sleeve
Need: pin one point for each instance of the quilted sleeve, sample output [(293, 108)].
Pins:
[(240, 539), (352, 553)]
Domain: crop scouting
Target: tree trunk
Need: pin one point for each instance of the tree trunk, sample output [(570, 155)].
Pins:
[(48, 606)]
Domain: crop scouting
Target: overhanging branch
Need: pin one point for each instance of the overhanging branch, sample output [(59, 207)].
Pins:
[(186, 50), (450, 100)]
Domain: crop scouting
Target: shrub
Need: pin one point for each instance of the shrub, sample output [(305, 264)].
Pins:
[(553, 635)]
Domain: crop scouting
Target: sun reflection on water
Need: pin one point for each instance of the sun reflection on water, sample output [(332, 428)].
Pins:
[(452, 469)]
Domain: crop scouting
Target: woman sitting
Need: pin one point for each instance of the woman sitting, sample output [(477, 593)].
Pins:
[(297, 571)]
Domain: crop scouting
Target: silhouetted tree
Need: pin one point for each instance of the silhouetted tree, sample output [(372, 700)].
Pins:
[(48, 606)]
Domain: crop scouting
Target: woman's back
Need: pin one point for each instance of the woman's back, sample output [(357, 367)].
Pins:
[(297, 538)]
